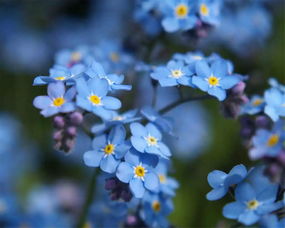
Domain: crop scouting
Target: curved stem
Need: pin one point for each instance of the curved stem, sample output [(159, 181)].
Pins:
[(88, 200), (173, 105)]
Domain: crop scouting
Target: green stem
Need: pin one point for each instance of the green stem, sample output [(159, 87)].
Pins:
[(88, 200), (173, 105)]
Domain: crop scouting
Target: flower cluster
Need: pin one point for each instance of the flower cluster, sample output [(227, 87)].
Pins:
[(257, 200), (177, 15), (212, 74)]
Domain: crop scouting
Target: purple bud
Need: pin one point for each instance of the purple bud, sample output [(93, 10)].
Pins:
[(58, 121), (68, 145), (111, 184), (131, 220), (57, 135), (238, 89), (71, 131), (281, 158), (126, 195), (273, 170), (262, 122), (246, 132), (76, 118), (114, 196)]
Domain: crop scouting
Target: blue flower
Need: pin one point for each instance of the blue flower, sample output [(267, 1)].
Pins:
[(116, 118), (209, 11), (268, 143), (275, 84), (69, 58), (148, 139), (214, 79), (60, 73), (92, 97), (155, 210), (254, 106), (57, 100), (114, 80), (271, 221), (173, 74), (179, 15), (274, 103), (108, 150), (251, 205), (220, 181), (137, 170), (189, 58), (168, 185), (163, 123)]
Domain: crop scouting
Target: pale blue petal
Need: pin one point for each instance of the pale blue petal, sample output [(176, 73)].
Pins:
[(125, 172), (137, 188), (233, 210), (200, 83), (92, 158), (111, 102), (109, 164), (151, 182), (138, 143)]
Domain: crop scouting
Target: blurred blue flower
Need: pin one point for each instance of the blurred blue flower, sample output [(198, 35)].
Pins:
[(147, 139), (108, 150), (57, 100), (250, 206), (214, 79), (92, 97), (271, 221), (137, 170), (268, 143), (173, 74), (155, 209), (168, 185), (254, 106), (274, 103), (178, 15), (209, 11), (220, 181)]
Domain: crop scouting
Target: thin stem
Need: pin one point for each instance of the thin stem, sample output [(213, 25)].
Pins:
[(173, 105), (88, 200)]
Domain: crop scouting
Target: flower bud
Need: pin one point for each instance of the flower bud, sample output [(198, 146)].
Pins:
[(58, 122), (76, 118)]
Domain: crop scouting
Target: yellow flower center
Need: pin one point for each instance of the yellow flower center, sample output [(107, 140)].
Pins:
[(197, 57), (60, 78), (273, 140), (75, 56), (151, 141), (156, 206), (140, 171), (213, 81), (59, 101), (114, 57), (181, 10), (119, 118), (162, 178), (204, 10), (176, 73), (252, 204), (257, 102), (109, 149), (95, 99)]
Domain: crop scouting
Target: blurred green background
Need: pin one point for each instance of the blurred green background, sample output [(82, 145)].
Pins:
[(225, 150)]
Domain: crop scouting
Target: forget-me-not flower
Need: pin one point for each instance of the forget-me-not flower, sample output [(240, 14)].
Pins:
[(220, 181), (57, 100), (148, 139), (179, 15), (250, 206), (137, 170), (108, 150), (268, 143), (209, 11), (175, 73), (274, 103), (114, 80), (92, 97), (214, 79)]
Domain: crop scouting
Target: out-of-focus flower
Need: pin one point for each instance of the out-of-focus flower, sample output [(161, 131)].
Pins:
[(274, 103)]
